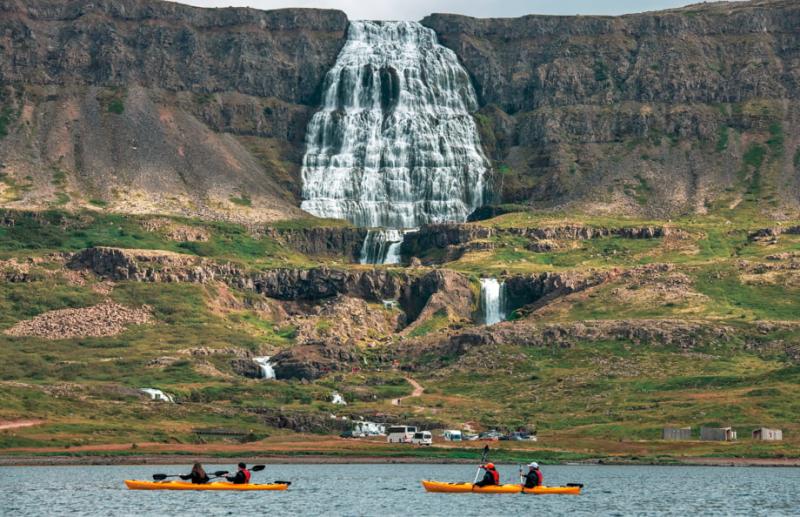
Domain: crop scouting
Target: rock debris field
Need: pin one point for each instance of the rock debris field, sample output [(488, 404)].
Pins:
[(105, 319)]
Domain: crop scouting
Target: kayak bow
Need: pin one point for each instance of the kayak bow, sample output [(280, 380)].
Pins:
[(135, 484), (462, 488)]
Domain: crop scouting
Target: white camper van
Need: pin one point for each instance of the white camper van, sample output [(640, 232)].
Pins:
[(400, 433), (452, 435), (422, 438)]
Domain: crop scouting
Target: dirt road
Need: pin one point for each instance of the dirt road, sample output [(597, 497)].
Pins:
[(418, 390)]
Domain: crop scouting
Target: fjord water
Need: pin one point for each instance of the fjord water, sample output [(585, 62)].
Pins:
[(394, 144), (389, 490)]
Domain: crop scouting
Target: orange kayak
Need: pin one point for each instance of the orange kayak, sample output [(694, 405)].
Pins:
[(462, 488), (135, 484)]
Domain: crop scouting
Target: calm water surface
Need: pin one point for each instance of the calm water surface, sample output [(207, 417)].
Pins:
[(389, 490)]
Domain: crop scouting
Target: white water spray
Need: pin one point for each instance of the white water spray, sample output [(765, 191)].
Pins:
[(267, 372), (492, 301)]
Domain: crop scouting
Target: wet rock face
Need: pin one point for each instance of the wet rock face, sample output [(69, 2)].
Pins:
[(246, 368), (322, 241)]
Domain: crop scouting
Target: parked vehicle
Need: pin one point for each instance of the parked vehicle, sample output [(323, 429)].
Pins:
[(452, 435), (352, 434), (422, 438), (469, 437), (490, 436), (400, 433)]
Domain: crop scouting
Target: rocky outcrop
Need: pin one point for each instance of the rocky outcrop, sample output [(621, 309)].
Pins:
[(246, 368), (683, 334), (457, 239), (313, 360), (321, 240), (438, 290), (105, 319), (523, 290), (636, 113)]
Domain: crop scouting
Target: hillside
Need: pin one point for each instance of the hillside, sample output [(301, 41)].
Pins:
[(619, 327)]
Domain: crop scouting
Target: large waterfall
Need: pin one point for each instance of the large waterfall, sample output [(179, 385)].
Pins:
[(492, 301), (394, 145)]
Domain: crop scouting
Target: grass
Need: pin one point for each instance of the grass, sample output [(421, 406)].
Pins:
[(116, 106), (6, 118), (48, 231), (722, 140)]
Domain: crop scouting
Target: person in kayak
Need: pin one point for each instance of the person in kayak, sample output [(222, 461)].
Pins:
[(534, 477), (242, 476), (491, 477), (197, 475)]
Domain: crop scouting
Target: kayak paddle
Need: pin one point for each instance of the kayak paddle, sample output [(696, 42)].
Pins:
[(162, 477), (254, 468), (483, 460), (217, 474)]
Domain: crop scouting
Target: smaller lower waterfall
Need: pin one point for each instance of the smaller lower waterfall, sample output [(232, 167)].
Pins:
[(267, 372), (382, 246), (492, 301)]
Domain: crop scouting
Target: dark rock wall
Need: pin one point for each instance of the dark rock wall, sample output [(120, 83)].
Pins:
[(647, 113)]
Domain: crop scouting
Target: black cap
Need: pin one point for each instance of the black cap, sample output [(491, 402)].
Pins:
[(242, 466)]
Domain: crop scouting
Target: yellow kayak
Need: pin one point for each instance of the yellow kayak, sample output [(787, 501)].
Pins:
[(135, 484), (461, 488)]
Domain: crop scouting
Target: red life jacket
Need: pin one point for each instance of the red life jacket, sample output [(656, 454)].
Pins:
[(495, 475), (246, 475), (540, 476)]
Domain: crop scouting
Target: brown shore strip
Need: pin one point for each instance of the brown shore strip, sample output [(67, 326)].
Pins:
[(172, 459)]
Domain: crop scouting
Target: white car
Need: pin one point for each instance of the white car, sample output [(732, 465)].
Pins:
[(422, 438)]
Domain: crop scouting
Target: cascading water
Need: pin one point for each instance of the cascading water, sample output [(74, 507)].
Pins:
[(394, 145), (492, 301), (267, 372)]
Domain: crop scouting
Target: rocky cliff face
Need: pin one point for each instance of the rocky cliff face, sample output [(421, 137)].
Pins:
[(652, 113), (155, 106), (150, 106)]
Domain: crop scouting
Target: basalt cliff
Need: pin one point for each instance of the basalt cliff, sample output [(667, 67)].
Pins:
[(149, 106)]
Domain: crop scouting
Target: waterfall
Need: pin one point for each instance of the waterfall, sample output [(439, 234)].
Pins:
[(267, 372), (381, 247), (393, 145), (492, 301)]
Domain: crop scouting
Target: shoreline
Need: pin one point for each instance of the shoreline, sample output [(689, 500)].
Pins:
[(173, 459)]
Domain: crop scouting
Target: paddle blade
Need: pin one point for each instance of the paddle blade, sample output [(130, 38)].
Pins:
[(258, 468), (221, 473), (579, 485), (485, 454), (159, 477), (282, 482)]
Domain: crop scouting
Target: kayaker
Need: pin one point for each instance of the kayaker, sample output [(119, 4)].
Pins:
[(491, 477), (534, 477), (197, 475), (242, 476)]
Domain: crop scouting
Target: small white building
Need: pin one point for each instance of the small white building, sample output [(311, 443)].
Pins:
[(157, 395), (768, 435)]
